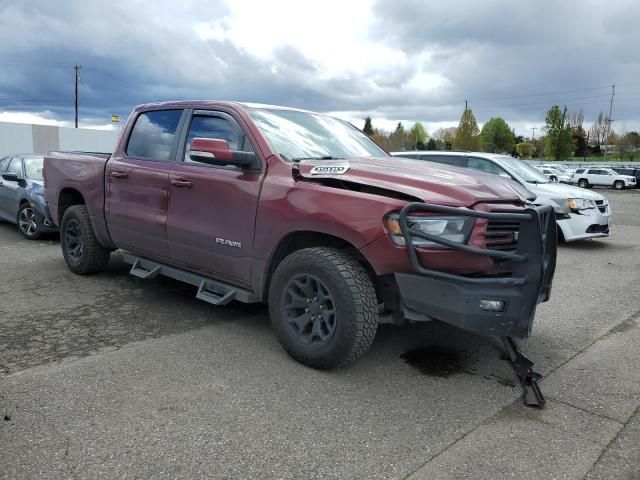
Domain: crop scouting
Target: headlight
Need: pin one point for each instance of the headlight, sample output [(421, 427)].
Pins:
[(455, 229), (576, 204)]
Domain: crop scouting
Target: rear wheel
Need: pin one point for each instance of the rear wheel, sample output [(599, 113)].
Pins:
[(323, 307), (618, 185), (27, 224), (80, 247), (583, 183)]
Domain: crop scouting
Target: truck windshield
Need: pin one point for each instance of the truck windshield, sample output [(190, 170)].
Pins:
[(525, 171), (298, 135)]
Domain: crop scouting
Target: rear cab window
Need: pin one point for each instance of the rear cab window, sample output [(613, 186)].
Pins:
[(4, 163), (153, 135)]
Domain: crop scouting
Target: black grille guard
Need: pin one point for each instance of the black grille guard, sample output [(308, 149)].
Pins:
[(533, 262)]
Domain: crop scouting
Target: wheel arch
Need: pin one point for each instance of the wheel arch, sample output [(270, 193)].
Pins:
[(67, 198), (300, 239)]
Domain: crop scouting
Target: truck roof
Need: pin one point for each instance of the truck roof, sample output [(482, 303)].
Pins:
[(211, 103)]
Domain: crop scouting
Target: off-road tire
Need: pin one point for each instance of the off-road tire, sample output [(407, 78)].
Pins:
[(583, 183), (355, 300), (618, 185), (93, 257)]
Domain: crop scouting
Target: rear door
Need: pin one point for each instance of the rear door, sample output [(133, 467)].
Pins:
[(212, 209), (138, 184), (597, 176), (10, 191)]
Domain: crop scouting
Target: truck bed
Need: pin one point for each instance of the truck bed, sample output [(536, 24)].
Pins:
[(70, 174)]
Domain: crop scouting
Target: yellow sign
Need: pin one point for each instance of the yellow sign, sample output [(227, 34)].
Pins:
[(115, 118)]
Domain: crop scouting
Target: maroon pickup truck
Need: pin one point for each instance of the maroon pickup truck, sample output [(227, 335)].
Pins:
[(304, 212)]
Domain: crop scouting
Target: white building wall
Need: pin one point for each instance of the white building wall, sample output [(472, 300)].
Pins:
[(28, 138), (87, 140), (15, 138)]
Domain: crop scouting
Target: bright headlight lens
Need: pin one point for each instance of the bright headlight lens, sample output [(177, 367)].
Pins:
[(455, 229), (576, 204)]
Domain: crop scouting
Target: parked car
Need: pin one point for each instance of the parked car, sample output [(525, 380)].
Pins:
[(632, 172), (554, 175), (304, 212), (580, 214), (22, 195), (562, 168), (602, 177), (550, 173)]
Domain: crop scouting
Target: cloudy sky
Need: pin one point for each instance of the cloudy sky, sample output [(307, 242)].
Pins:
[(395, 60)]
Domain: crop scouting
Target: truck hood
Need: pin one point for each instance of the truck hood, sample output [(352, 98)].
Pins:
[(557, 194), (428, 181)]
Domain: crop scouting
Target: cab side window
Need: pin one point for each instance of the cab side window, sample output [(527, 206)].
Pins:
[(4, 163), (153, 135), (486, 166), (205, 126), (16, 166)]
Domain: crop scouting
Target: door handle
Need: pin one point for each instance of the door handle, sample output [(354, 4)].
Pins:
[(116, 174), (176, 182)]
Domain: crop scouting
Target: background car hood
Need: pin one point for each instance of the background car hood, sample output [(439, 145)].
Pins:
[(557, 195), (431, 182), (568, 191)]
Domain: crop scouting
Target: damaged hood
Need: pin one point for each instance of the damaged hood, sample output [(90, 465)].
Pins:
[(427, 181)]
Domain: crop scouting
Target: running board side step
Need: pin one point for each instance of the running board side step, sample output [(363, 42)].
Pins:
[(210, 291), (523, 367)]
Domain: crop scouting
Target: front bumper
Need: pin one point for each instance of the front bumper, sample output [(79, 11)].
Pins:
[(42, 220), (455, 299), (591, 223)]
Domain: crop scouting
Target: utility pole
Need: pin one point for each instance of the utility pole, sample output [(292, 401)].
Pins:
[(609, 119), (465, 104), (533, 139), (75, 103)]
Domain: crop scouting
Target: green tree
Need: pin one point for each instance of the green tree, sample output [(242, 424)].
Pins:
[(497, 136), (628, 145), (580, 139), (368, 127), (431, 144), (560, 142), (417, 136), (398, 139), (467, 134), (525, 149)]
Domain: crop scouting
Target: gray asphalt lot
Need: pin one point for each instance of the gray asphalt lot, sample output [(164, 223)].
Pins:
[(111, 376)]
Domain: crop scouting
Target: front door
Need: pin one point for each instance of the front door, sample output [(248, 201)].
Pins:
[(10, 191), (138, 185), (212, 209)]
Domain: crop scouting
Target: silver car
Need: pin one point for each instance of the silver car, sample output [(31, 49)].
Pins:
[(22, 195)]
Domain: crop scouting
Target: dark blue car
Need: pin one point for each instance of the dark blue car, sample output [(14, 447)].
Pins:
[(22, 195)]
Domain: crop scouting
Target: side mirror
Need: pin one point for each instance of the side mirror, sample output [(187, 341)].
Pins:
[(215, 151), (12, 177)]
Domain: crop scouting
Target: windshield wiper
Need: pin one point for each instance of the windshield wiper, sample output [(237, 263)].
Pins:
[(326, 157)]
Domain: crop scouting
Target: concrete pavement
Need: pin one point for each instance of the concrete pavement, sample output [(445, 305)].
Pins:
[(169, 387)]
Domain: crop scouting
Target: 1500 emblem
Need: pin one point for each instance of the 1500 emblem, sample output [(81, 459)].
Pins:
[(229, 243), (330, 170)]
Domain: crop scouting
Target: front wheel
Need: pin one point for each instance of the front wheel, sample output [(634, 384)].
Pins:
[(27, 224), (618, 185), (323, 307), (583, 183), (80, 247)]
